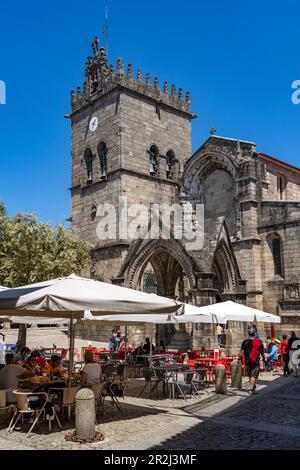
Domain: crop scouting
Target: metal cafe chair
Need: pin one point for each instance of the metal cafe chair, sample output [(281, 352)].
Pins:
[(3, 405), (147, 374), (117, 386), (199, 381), (186, 385), (23, 408), (65, 397), (122, 375), (116, 381), (108, 371), (113, 393), (136, 364), (98, 390), (159, 375)]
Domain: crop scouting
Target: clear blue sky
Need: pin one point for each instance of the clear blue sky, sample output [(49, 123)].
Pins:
[(238, 59)]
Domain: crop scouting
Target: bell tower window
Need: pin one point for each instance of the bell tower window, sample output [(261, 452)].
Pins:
[(170, 162), (88, 158), (153, 159), (102, 152)]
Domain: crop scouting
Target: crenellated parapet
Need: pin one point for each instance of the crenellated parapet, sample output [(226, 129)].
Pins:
[(100, 78)]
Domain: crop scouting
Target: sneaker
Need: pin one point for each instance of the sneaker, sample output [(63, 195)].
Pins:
[(253, 391)]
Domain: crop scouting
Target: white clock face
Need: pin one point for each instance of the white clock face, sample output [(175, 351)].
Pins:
[(93, 124)]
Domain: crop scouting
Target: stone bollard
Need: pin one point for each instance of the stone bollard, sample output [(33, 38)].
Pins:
[(85, 414), (220, 379), (236, 374)]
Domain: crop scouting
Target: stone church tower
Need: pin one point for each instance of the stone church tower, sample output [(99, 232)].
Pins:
[(131, 141)]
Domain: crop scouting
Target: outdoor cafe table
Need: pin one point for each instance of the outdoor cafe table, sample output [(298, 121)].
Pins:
[(34, 385), (170, 372), (43, 386), (156, 356)]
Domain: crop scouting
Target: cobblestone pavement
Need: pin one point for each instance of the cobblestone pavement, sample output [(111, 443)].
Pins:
[(270, 419)]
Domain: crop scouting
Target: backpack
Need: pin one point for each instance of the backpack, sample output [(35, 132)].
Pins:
[(254, 353)]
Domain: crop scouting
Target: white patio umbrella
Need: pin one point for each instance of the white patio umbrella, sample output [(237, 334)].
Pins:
[(171, 319), (155, 319), (39, 320), (233, 311), (70, 296), (59, 297)]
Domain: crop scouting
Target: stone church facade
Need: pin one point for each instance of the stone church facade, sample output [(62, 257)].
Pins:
[(132, 139)]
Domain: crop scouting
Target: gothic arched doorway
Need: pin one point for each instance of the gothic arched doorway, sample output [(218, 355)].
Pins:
[(163, 274), (161, 267)]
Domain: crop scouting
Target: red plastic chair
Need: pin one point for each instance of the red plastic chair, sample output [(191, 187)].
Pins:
[(121, 355), (182, 358)]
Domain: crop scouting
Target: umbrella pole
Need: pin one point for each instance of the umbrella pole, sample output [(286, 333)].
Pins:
[(126, 343), (273, 336), (71, 350), (150, 362)]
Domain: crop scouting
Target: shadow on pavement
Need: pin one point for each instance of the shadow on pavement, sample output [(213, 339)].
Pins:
[(259, 421)]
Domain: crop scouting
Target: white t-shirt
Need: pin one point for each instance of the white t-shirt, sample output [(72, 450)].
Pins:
[(93, 371), (9, 377)]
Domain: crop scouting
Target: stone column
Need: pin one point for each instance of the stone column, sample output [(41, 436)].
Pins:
[(204, 294)]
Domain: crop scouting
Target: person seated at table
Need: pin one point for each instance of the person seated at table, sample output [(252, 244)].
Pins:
[(10, 376), (31, 368), (146, 346), (91, 373), (23, 355), (123, 343), (161, 349), (138, 351), (137, 354), (40, 360), (54, 365), (111, 344), (118, 339), (273, 355)]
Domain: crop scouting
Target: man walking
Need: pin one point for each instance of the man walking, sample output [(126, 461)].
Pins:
[(252, 348), (219, 331), (283, 354)]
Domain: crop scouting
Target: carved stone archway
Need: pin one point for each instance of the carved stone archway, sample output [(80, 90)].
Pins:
[(144, 251), (201, 165), (173, 268)]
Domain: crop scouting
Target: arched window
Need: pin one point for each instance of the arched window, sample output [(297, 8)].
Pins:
[(93, 211), (88, 158), (280, 186), (170, 162), (153, 159), (102, 152), (277, 256)]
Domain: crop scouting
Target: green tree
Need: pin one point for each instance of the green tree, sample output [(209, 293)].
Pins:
[(33, 251)]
